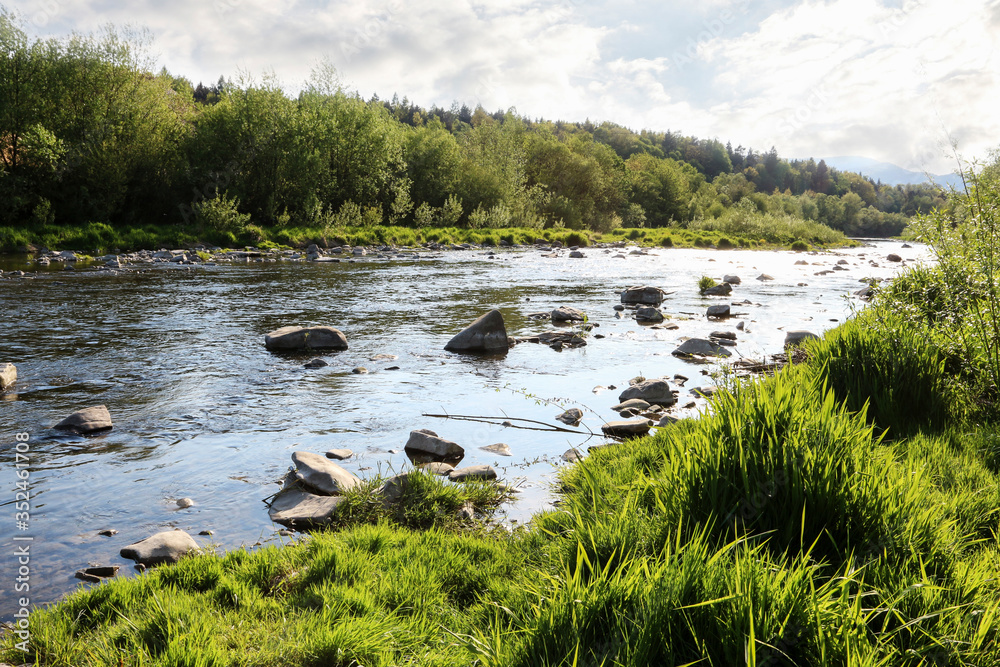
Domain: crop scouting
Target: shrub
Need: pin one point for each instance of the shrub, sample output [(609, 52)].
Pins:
[(706, 283), (220, 214)]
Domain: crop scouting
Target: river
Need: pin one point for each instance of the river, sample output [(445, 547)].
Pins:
[(203, 411)]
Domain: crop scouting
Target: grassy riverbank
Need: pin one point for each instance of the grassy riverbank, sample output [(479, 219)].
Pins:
[(843, 512), (97, 238)]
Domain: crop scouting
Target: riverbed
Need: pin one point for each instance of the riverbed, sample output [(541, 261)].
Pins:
[(203, 411)]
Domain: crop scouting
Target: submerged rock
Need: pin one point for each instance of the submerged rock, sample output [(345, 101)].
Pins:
[(718, 311), (648, 314), (732, 280), (166, 547), (88, 420), (486, 334), (97, 574), (428, 442), (893, 257), (499, 448), (323, 475), (306, 338), (8, 376), (316, 363), (723, 289)]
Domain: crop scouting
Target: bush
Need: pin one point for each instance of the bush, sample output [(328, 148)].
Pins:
[(220, 214), (706, 283), (800, 246)]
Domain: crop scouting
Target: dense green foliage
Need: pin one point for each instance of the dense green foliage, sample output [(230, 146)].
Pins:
[(89, 135), (842, 512)]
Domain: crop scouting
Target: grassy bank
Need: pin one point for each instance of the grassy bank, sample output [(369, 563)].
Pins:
[(99, 238)]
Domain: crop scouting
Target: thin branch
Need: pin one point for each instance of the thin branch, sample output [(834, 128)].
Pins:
[(491, 420)]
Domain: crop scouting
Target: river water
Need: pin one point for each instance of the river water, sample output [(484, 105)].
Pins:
[(203, 411)]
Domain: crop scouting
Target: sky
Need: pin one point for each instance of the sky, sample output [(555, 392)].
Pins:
[(902, 81)]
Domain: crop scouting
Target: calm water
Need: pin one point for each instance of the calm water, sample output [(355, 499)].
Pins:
[(202, 410)]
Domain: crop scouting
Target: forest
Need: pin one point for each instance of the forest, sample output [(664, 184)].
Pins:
[(91, 133)]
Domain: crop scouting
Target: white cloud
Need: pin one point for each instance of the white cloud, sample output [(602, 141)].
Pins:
[(814, 77)]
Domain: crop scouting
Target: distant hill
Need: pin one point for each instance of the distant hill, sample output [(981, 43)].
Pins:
[(887, 172)]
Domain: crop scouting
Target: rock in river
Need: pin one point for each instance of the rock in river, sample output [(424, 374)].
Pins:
[(428, 442), (470, 473), (8, 376), (296, 508), (718, 311), (166, 547), (486, 334), (652, 296), (499, 448), (653, 392), (323, 475), (723, 289), (627, 429), (339, 454), (699, 347), (567, 314), (648, 314), (732, 280), (795, 338), (306, 338), (571, 417), (89, 420)]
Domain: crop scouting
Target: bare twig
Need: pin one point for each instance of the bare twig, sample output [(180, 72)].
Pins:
[(493, 420)]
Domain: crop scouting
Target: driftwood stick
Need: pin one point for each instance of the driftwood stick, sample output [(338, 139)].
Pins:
[(491, 420)]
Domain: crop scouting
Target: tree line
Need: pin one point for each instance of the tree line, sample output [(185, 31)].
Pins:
[(88, 132)]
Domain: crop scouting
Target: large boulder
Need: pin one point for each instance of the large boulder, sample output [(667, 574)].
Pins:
[(699, 347), (428, 442), (322, 474), (795, 338), (88, 420), (627, 429), (654, 392), (652, 296), (567, 314), (296, 508), (306, 338), (486, 334), (166, 547), (8, 376)]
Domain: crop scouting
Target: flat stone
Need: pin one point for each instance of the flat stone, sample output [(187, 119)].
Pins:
[(486, 334), (107, 532), (88, 420), (576, 254), (571, 417), (469, 473), (732, 280), (567, 314), (428, 442), (718, 311), (306, 338), (499, 448), (316, 363), (97, 574), (360, 370), (653, 392), (323, 475), (701, 348), (764, 276), (166, 547), (297, 508), (8, 376), (795, 338), (339, 454), (631, 404), (627, 429), (893, 257), (728, 335)]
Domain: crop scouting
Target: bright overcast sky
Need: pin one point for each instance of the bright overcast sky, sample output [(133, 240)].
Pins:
[(887, 79)]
